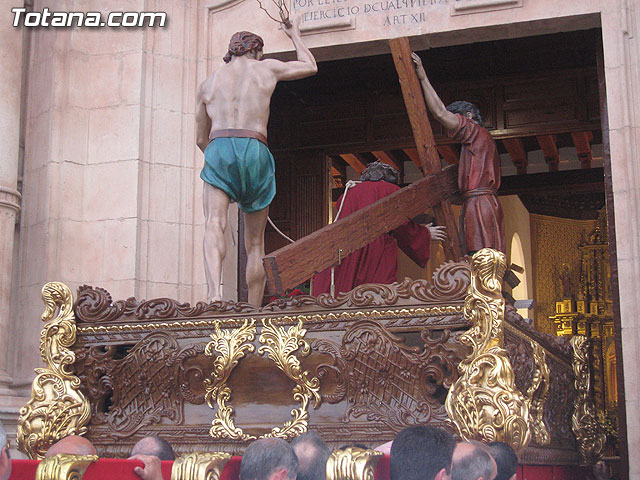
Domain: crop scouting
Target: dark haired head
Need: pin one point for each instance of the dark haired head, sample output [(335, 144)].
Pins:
[(156, 446), (505, 458), (378, 170), (463, 108), (312, 453), (419, 453), (267, 456), (241, 43)]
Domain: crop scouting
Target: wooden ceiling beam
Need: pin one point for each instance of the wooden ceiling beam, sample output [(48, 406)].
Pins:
[(354, 162), (449, 153), (518, 154), (385, 158), (550, 150), (412, 153), (582, 142)]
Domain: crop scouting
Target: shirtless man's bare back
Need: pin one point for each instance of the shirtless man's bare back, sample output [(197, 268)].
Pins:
[(231, 123)]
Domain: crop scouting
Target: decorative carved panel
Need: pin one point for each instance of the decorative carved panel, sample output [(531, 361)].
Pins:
[(384, 380)]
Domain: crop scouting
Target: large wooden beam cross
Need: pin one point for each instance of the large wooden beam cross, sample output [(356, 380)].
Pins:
[(291, 265)]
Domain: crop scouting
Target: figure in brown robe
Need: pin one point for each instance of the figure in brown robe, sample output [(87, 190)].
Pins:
[(481, 220)]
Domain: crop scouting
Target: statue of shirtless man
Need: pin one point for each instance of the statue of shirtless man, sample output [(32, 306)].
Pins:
[(231, 122)]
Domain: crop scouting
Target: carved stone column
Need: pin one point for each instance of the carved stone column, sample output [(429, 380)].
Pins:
[(10, 92)]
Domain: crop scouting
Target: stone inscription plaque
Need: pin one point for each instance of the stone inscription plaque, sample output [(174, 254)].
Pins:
[(319, 15)]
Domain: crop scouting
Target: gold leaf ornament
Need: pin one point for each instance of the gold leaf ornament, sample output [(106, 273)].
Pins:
[(64, 467), (352, 463), (233, 345), (484, 403), (280, 345), (199, 466), (584, 423), (57, 408)]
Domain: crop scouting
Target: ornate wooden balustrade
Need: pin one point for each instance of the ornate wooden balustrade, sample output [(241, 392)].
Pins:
[(357, 368)]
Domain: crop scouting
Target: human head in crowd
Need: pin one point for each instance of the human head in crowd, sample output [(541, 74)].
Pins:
[(156, 446), (377, 171), (472, 461), (269, 459), (312, 453), (5, 459), (421, 453), (73, 445), (506, 460)]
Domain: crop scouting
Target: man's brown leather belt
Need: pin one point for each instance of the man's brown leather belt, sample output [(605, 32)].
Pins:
[(476, 192), (238, 133)]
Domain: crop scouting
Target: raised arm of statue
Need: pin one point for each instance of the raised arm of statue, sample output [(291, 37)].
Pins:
[(435, 105), (203, 121), (304, 66)]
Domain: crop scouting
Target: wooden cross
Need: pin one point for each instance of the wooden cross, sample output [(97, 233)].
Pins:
[(296, 263)]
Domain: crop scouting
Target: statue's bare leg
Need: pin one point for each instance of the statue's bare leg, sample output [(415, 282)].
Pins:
[(254, 225), (216, 205)]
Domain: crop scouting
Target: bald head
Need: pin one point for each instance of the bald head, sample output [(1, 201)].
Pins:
[(72, 445), (312, 453), (156, 446), (472, 462)]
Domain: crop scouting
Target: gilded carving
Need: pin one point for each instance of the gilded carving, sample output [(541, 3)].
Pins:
[(329, 320), (484, 403), (57, 408), (64, 467), (450, 281), (352, 464), (232, 345), (536, 395), (591, 439), (279, 345), (199, 466)]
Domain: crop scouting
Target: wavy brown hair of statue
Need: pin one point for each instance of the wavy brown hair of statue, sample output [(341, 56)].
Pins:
[(241, 43), (377, 171)]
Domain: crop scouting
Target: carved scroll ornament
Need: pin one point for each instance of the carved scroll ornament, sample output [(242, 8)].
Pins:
[(352, 464), (280, 346), (199, 466), (485, 403), (57, 407), (585, 425), (232, 345), (64, 467)]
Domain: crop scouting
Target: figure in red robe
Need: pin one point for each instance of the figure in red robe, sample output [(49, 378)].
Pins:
[(481, 220), (377, 262)]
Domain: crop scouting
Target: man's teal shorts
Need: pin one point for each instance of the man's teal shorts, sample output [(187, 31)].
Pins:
[(243, 168)]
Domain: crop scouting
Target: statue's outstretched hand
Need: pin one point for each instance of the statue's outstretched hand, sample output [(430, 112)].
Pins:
[(294, 29), (419, 68), (438, 234)]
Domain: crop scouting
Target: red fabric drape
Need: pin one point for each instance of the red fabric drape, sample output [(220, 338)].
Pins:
[(376, 262)]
